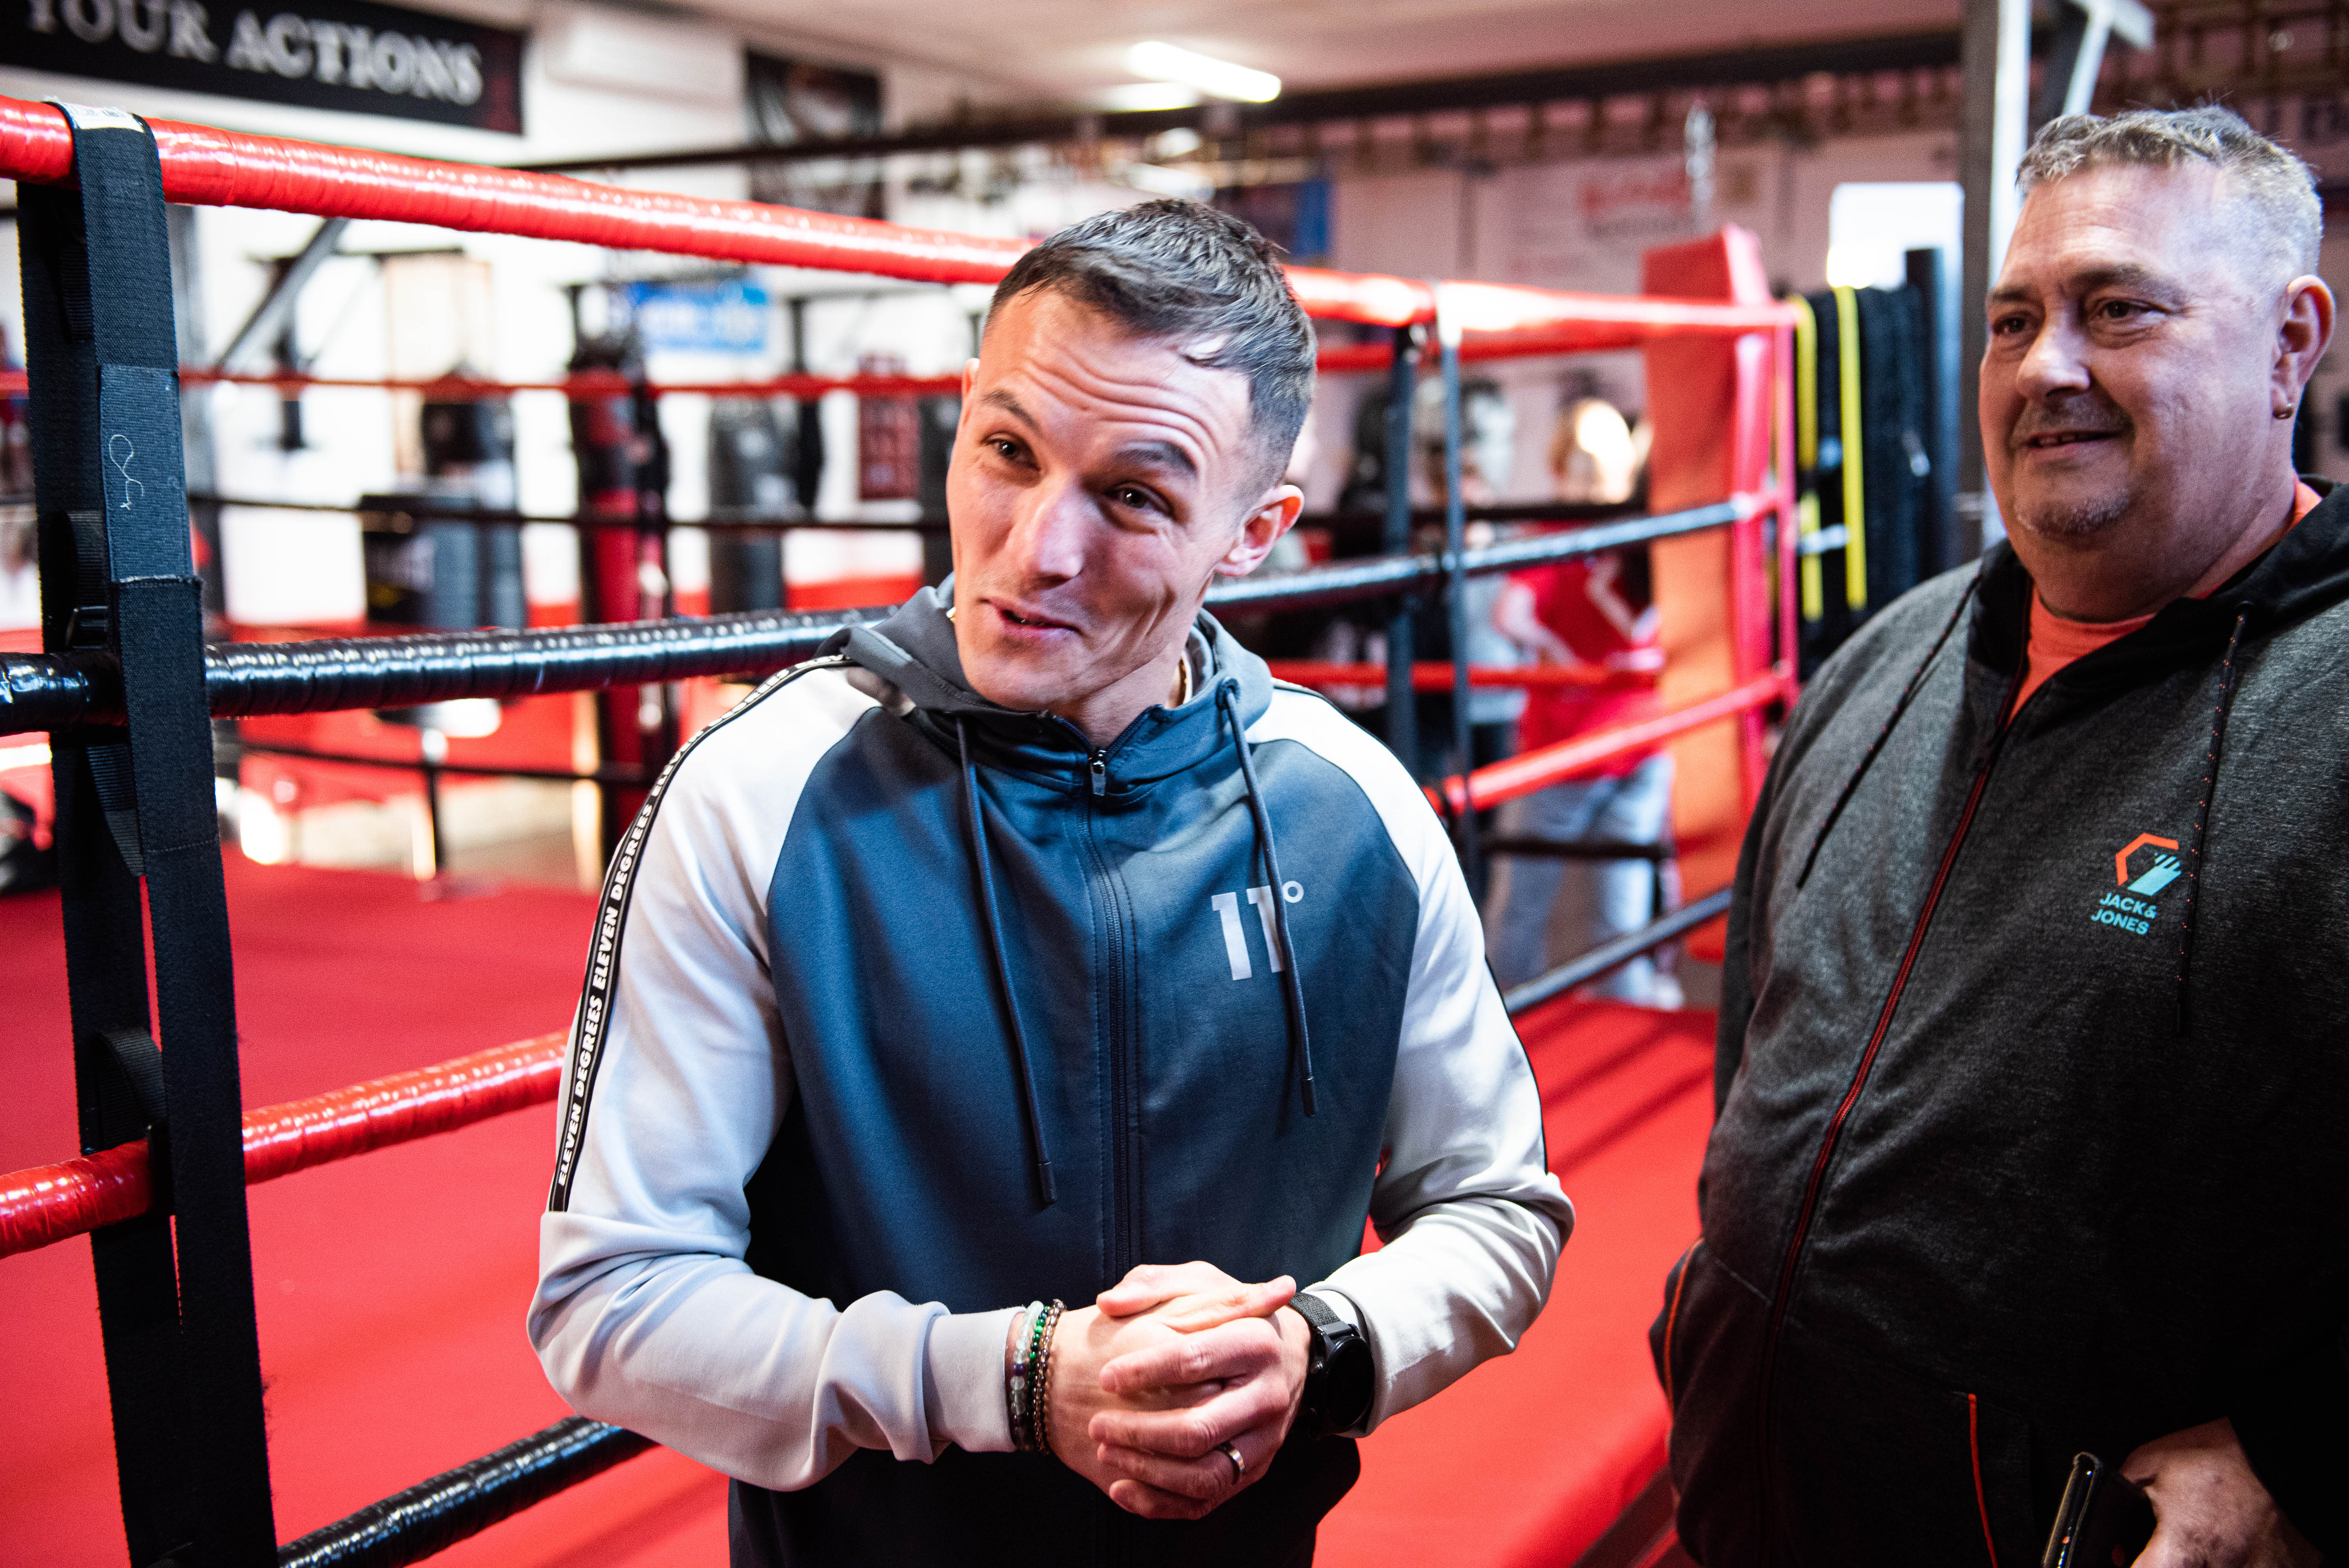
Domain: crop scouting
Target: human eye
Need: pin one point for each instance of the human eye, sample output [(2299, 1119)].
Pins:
[(1007, 448), (1136, 497), (2118, 311)]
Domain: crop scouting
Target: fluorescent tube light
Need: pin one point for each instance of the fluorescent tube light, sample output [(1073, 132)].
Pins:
[(1133, 96), (1165, 62)]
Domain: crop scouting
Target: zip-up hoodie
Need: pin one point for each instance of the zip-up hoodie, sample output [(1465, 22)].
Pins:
[(906, 1009), (2033, 1079)]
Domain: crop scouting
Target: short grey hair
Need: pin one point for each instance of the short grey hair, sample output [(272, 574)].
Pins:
[(2276, 185)]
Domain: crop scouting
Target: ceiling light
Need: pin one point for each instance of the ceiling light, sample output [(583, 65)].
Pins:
[(1165, 62), (1139, 96), (1159, 182)]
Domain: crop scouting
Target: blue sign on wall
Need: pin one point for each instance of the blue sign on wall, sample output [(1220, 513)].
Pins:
[(720, 317)]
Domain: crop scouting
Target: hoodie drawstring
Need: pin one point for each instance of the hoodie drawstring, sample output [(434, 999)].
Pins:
[(1292, 989), (1003, 966), (2202, 807), (1868, 758)]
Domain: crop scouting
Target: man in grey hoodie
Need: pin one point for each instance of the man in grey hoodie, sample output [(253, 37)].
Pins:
[(2032, 1077), (1028, 944)]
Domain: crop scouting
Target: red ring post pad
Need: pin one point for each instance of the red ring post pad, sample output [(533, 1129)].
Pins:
[(49, 1203), (210, 168)]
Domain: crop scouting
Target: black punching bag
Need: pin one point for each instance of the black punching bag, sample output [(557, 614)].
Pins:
[(750, 481)]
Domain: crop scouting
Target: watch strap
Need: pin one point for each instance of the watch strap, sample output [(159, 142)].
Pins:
[(1336, 1367)]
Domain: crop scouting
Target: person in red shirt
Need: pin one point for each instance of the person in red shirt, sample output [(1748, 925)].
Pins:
[(1578, 613)]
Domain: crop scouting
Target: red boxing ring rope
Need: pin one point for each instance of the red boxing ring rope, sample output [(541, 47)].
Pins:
[(1530, 770), (583, 384), (1333, 360), (1435, 675), (210, 168), (49, 1203)]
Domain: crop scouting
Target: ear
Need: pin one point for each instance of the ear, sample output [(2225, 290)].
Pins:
[(2301, 339), (1273, 515), (969, 380)]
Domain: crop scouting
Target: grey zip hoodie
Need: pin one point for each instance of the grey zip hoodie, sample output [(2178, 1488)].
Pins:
[(2033, 1079), (906, 1009)]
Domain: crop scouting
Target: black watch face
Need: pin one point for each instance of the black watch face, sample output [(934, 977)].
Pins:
[(1344, 1374)]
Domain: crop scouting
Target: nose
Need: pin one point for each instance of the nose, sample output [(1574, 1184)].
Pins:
[(1047, 544), (2055, 364)]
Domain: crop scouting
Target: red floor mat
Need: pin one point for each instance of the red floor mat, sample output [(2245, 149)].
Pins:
[(1529, 1458), (391, 1288)]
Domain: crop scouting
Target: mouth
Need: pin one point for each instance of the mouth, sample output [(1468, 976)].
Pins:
[(2056, 440), (1021, 622)]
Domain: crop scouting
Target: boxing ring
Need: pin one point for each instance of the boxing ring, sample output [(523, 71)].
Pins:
[(126, 690)]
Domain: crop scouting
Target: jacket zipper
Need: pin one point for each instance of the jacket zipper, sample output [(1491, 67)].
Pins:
[(1781, 1298), (1124, 1091), (1114, 1542)]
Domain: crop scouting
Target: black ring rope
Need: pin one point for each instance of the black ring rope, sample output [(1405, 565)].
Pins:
[(54, 691)]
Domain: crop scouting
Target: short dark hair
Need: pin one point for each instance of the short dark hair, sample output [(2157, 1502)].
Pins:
[(1181, 269)]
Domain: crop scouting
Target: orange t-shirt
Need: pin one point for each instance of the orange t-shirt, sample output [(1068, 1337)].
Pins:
[(2055, 642)]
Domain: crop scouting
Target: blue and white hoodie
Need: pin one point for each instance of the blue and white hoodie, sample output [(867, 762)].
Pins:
[(905, 1009)]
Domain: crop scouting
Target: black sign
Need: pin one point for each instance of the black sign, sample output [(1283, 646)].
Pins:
[(331, 53)]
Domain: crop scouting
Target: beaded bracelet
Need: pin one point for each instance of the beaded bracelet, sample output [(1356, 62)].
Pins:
[(1047, 1323), (1016, 1382)]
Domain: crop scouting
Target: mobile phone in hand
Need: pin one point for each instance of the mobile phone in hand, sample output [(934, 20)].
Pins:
[(2105, 1521)]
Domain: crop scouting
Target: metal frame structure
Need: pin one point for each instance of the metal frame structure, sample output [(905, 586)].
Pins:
[(126, 688)]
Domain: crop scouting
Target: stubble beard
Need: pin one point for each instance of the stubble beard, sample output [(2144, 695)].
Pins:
[(2073, 521)]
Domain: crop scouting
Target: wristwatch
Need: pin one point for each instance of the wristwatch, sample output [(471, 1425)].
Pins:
[(1339, 1374)]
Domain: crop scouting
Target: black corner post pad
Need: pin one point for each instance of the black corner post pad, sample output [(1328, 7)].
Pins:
[(117, 581)]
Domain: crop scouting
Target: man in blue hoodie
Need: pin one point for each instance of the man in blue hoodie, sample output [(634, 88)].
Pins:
[(1025, 946)]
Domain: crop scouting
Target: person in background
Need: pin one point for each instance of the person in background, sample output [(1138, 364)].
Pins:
[(1593, 615), (1595, 455), (1545, 909)]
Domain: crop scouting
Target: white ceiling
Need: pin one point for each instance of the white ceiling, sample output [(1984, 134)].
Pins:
[(1059, 48)]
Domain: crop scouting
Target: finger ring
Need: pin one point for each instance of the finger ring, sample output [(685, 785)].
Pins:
[(1239, 1465)]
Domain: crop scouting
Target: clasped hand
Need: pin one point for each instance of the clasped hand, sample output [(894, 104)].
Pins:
[(1166, 1371)]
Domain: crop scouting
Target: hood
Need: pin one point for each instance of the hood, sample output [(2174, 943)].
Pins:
[(2306, 572), (913, 651)]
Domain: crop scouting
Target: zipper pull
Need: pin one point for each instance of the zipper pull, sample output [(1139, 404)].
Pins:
[(1100, 772)]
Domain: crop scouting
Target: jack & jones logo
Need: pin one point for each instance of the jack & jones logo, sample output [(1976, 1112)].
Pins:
[(2132, 907)]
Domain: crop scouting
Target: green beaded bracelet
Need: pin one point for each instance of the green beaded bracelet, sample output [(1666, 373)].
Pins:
[(1047, 1324)]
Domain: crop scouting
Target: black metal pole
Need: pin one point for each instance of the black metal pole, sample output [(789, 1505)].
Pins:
[(1455, 543), (136, 802), (1609, 956), (434, 745), (1402, 711)]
